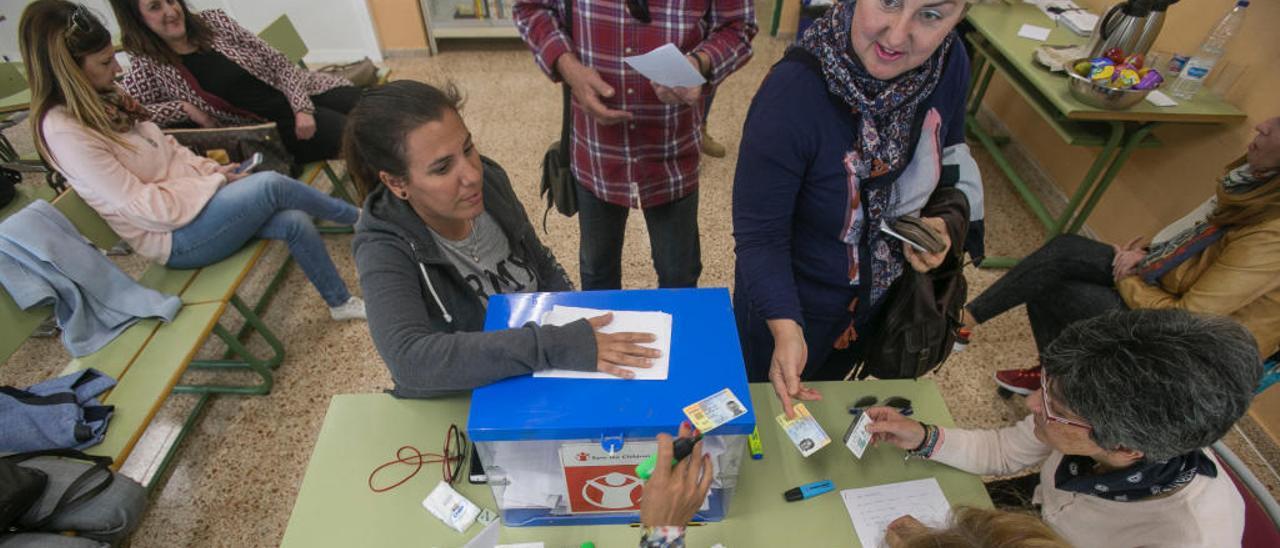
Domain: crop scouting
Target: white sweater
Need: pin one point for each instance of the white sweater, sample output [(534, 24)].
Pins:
[(1208, 512)]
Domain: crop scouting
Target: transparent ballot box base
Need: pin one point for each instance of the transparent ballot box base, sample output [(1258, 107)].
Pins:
[(578, 482)]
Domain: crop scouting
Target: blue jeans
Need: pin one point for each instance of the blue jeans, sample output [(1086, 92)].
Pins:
[(271, 206)]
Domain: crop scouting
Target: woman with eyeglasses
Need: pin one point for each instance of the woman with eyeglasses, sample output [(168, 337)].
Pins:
[(204, 69), (173, 207), (442, 231), (862, 122), (1221, 258), (1131, 400)]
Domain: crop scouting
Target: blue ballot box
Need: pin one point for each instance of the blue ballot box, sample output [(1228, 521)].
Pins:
[(563, 451)]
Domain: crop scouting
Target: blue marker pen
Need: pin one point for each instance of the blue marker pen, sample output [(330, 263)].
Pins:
[(808, 490)]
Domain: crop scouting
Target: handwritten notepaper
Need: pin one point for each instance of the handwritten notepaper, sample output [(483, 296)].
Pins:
[(872, 509), (666, 66), (624, 321)]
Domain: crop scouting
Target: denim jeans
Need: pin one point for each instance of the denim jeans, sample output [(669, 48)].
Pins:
[(271, 206), (673, 237)]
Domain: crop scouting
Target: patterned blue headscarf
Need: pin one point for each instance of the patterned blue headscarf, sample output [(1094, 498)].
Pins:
[(885, 112)]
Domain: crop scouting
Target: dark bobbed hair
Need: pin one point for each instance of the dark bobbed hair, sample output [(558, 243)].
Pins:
[(1164, 382), (376, 130), (138, 39)]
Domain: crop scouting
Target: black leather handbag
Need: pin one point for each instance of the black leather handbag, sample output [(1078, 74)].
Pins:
[(559, 188)]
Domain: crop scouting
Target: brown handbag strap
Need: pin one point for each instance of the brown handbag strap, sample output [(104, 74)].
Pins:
[(213, 100)]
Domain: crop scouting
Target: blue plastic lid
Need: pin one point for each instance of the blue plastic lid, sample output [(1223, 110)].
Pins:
[(705, 358)]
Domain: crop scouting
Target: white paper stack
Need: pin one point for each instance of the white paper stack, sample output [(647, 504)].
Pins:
[(624, 321)]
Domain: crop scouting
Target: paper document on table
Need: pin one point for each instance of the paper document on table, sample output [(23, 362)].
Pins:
[(1158, 98), (1033, 32), (872, 509), (667, 66), (624, 321)]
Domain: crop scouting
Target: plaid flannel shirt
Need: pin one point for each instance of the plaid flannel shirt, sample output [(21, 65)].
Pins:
[(652, 159)]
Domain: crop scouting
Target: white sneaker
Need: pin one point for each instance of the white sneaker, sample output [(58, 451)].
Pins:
[(353, 309)]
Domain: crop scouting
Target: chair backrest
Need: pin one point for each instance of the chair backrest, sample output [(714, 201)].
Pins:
[(282, 35), (1261, 512), (86, 220), (11, 79)]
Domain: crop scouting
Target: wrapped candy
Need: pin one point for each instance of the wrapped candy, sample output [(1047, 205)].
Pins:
[(1116, 55), (1135, 60), (1150, 80), (1127, 78), (1102, 74), (1097, 62)]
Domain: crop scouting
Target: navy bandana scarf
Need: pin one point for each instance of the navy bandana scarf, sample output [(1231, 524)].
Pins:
[(1137, 482)]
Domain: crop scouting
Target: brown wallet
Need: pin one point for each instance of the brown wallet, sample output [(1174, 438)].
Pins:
[(912, 228)]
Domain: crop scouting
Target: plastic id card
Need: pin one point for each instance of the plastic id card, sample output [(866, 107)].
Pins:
[(857, 438), (804, 431), (715, 410)]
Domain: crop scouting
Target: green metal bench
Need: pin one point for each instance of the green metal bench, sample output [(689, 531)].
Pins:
[(149, 358)]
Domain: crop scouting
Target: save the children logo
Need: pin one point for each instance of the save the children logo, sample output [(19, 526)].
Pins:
[(613, 491), (599, 481)]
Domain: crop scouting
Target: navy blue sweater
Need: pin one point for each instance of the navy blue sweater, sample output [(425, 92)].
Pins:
[(791, 191)]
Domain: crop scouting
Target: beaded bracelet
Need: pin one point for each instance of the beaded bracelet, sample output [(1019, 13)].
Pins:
[(932, 436)]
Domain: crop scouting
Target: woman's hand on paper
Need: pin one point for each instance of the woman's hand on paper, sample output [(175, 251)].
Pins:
[(615, 350)]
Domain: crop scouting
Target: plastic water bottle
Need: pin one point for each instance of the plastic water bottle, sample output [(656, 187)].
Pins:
[(1214, 46)]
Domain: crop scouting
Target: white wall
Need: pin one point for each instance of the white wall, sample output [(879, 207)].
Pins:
[(334, 30)]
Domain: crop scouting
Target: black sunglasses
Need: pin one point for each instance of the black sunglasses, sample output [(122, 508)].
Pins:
[(639, 9), (903, 405)]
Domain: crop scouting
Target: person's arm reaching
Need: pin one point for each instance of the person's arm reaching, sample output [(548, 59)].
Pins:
[(673, 494), (1000, 452)]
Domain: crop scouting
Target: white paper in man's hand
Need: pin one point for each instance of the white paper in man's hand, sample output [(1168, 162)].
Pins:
[(667, 66), (624, 321)]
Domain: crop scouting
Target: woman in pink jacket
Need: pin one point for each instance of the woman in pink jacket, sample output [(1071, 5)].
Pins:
[(173, 207), (204, 69)]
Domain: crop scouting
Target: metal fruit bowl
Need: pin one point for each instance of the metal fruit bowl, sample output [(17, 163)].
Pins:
[(1100, 96)]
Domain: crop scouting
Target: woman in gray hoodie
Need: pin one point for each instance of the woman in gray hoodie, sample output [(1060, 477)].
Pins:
[(441, 231)]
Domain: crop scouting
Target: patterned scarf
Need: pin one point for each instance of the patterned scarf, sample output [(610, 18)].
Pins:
[(1137, 482), (1167, 255), (123, 111), (886, 112)]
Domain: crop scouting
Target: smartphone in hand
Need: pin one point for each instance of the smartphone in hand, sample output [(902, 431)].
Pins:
[(248, 165)]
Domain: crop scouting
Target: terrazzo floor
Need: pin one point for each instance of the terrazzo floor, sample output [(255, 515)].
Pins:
[(236, 476)]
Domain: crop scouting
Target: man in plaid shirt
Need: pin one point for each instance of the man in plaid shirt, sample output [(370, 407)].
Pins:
[(636, 143)]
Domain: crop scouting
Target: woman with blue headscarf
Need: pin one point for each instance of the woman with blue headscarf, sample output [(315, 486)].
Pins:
[(859, 124)]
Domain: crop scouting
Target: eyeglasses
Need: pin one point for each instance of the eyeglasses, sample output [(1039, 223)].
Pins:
[(639, 9), (1048, 409), (451, 460), (903, 405)]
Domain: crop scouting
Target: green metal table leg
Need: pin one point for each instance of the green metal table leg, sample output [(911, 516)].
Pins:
[(1087, 184), (187, 425), (1112, 171), (247, 360), (777, 17), (1029, 197)]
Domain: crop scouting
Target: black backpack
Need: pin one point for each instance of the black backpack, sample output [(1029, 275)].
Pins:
[(916, 329), (22, 487), (9, 179)]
